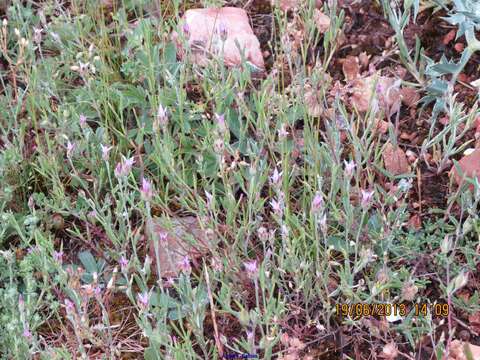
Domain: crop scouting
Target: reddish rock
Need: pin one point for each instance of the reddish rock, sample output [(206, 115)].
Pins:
[(216, 31), (470, 166)]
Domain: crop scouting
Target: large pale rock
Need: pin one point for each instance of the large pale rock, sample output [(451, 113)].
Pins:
[(470, 166), (177, 239), (214, 30)]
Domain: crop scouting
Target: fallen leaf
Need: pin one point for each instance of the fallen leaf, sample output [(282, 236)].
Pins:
[(380, 89), (206, 27), (395, 160), (410, 96), (460, 349), (321, 20), (176, 238), (351, 67), (415, 222), (312, 101)]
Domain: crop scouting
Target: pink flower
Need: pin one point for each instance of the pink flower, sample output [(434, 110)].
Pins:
[(70, 148), (26, 333), (70, 307), (58, 256), (349, 167), (124, 167), (251, 267), (106, 151), (277, 207), (276, 177), (163, 235), (222, 126), (123, 263), (143, 299), (283, 133), (162, 118), (146, 191), (367, 197), (317, 203), (184, 264), (83, 121), (186, 30)]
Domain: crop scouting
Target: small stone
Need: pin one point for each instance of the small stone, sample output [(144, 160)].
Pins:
[(321, 20)]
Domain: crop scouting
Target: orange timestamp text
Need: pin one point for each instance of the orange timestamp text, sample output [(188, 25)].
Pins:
[(381, 309)]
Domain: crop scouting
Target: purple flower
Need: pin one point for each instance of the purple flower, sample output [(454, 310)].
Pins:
[(58, 256), (349, 167), (106, 151), (143, 299), (276, 177), (251, 267), (146, 191), (83, 121), (317, 203), (367, 197)]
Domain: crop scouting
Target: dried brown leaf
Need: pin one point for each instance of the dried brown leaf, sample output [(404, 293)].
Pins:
[(351, 67), (395, 160)]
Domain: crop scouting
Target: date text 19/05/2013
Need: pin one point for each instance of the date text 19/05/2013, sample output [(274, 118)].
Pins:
[(419, 309)]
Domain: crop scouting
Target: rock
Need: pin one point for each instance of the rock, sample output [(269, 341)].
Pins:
[(321, 20), (470, 166), (395, 160), (460, 349), (177, 239), (215, 29)]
